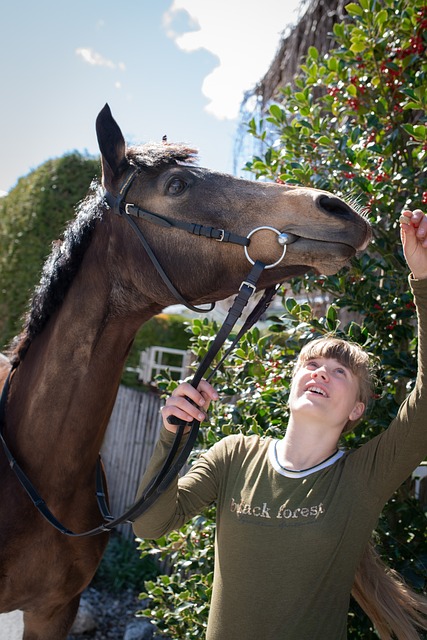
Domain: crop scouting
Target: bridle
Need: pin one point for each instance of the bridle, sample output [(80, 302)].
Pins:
[(175, 461), (131, 211)]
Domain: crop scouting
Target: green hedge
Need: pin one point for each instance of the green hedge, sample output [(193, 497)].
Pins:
[(32, 216)]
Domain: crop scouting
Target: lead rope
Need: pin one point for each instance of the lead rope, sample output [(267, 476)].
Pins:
[(170, 469), (171, 466)]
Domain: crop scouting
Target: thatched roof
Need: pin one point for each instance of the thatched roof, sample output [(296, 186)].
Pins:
[(313, 29)]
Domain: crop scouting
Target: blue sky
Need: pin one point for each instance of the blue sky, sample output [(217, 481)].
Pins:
[(174, 67)]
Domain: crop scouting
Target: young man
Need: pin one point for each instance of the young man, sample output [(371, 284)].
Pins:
[(295, 516)]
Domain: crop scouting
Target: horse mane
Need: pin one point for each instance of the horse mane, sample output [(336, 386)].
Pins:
[(58, 271), (67, 254), (155, 155)]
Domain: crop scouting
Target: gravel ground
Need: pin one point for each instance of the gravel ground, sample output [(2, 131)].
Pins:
[(113, 613)]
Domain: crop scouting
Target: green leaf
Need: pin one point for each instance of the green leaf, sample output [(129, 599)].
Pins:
[(355, 133), (332, 64), (268, 156), (290, 304), (332, 318), (381, 17), (313, 53), (409, 92), (409, 128), (300, 96), (324, 140), (338, 30), (420, 132), (411, 105), (276, 112), (354, 9), (358, 46), (259, 165)]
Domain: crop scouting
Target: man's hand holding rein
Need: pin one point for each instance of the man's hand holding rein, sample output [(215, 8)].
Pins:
[(180, 403)]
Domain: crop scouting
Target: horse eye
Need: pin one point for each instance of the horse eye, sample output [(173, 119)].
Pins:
[(176, 186)]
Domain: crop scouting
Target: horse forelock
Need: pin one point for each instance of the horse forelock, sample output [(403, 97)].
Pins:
[(156, 155), (59, 270)]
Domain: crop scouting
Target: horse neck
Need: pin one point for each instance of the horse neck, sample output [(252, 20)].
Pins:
[(63, 392)]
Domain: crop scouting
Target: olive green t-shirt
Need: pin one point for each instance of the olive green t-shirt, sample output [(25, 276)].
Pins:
[(288, 544)]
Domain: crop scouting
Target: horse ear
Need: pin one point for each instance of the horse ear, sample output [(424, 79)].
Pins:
[(112, 146)]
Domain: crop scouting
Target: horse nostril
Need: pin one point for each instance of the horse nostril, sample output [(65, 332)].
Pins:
[(334, 206)]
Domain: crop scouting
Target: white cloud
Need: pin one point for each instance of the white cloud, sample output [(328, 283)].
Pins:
[(3, 193), (96, 59), (244, 36)]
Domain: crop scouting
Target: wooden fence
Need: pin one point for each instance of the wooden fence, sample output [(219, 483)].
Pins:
[(128, 445)]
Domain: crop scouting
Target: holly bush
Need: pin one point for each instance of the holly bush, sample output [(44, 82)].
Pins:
[(354, 123)]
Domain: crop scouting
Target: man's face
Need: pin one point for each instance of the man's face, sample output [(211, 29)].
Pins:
[(326, 391)]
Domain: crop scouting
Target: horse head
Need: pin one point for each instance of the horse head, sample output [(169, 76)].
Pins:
[(323, 231)]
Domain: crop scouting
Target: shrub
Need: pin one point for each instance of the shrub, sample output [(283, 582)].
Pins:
[(121, 567), (32, 216), (355, 124)]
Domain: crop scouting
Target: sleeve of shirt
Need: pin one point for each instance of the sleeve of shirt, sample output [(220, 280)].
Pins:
[(389, 458), (185, 497)]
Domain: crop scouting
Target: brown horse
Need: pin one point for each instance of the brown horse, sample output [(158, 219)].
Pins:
[(97, 288)]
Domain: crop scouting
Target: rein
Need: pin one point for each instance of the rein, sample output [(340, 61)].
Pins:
[(175, 461)]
